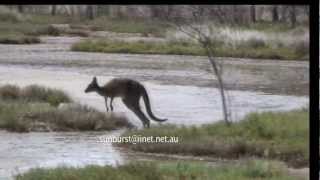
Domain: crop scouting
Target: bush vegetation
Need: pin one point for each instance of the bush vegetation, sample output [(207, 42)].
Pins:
[(34, 93), (274, 135), (35, 108), (251, 49), (164, 171)]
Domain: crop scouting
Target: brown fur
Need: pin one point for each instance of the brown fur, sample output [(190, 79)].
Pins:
[(130, 91)]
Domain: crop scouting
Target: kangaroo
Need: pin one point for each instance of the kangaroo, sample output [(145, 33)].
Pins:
[(129, 91)]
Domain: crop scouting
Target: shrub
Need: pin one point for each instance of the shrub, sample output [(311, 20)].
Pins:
[(9, 92), (22, 116), (19, 39), (9, 15), (43, 94), (51, 30), (164, 170), (255, 43), (281, 135), (34, 93)]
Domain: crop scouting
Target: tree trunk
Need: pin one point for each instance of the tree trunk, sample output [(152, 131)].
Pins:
[(156, 11), (209, 52), (253, 13), (275, 14), (103, 10), (53, 10), (283, 12), (90, 13), (235, 14), (293, 16), (20, 8)]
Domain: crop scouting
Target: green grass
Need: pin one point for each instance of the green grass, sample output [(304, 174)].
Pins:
[(19, 116), (18, 29), (122, 25), (25, 30), (44, 19), (34, 93), (141, 47), (163, 171), (18, 39), (35, 108), (274, 135), (17, 33), (251, 49)]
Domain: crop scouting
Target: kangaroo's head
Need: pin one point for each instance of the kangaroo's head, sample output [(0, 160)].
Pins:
[(93, 86)]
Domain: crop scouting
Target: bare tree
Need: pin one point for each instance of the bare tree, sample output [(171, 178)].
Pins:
[(21, 8), (293, 16), (283, 12), (103, 10), (90, 12), (194, 27), (53, 10), (275, 13), (253, 13)]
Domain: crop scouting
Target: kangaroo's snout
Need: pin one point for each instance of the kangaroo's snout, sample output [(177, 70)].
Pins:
[(86, 90)]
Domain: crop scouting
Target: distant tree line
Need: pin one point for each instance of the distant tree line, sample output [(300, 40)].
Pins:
[(241, 14)]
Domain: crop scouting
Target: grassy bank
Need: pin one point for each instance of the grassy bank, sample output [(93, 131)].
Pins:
[(250, 49), (122, 25), (164, 171), (18, 39), (16, 28), (34, 93), (103, 23), (36, 108), (281, 135)]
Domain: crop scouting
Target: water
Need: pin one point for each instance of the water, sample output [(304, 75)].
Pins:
[(271, 76), (20, 152), (187, 105), (181, 89)]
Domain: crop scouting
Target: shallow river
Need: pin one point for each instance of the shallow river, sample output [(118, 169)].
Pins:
[(184, 101)]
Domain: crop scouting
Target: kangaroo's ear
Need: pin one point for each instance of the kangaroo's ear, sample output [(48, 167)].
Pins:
[(94, 79)]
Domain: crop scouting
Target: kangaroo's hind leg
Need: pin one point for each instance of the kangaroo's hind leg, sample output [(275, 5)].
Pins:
[(111, 106), (133, 105), (106, 102)]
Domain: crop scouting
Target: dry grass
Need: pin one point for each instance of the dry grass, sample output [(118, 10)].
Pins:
[(292, 43)]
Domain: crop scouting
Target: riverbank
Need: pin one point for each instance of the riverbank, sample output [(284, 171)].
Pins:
[(40, 109), (259, 40), (253, 48), (282, 136), (275, 77), (254, 169)]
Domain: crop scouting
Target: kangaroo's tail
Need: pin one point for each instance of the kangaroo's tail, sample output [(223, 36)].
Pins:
[(148, 107)]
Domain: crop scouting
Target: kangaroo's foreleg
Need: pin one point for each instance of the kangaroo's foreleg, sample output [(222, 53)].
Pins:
[(134, 107), (106, 102), (111, 106)]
